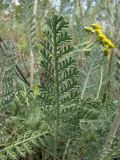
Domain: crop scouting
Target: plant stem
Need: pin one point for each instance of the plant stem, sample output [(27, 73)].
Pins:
[(86, 81), (80, 11), (66, 149), (35, 8), (31, 48), (100, 84), (32, 69), (56, 95)]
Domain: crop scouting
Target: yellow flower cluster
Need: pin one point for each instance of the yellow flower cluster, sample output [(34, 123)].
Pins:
[(105, 42)]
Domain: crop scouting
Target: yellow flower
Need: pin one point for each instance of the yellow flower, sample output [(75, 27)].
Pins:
[(96, 26), (108, 42), (98, 31), (89, 29), (106, 46), (104, 41), (111, 44), (102, 36)]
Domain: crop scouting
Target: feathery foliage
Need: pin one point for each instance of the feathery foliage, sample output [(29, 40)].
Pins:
[(60, 100), (59, 82), (57, 64), (92, 74), (29, 22), (8, 75), (22, 146)]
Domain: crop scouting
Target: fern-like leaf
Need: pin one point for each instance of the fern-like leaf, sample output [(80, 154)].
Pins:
[(59, 79), (8, 78), (22, 145), (91, 76)]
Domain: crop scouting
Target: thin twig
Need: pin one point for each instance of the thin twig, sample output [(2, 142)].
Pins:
[(80, 11), (66, 149), (31, 49), (101, 80)]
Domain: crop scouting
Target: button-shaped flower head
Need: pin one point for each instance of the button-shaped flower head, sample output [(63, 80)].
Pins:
[(96, 26), (108, 42), (98, 31), (102, 36)]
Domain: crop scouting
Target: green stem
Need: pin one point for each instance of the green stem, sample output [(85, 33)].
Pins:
[(56, 96), (108, 87), (80, 11), (86, 81), (100, 84)]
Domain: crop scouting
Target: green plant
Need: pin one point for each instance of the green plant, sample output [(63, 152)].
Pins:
[(65, 107), (22, 145), (59, 84), (8, 83)]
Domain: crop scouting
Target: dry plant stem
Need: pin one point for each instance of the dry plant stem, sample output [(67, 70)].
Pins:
[(80, 10), (56, 98), (31, 50), (43, 154), (30, 157), (100, 83), (35, 8), (66, 148), (25, 65), (32, 69), (111, 135)]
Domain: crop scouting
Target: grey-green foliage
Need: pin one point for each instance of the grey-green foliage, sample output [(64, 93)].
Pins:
[(91, 135), (58, 91), (29, 22), (93, 63), (59, 85), (8, 75), (22, 145), (92, 76), (73, 116), (56, 58), (24, 130), (59, 94), (59, 78)]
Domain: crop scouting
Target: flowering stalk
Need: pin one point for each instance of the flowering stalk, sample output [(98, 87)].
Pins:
[(104, 41)]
